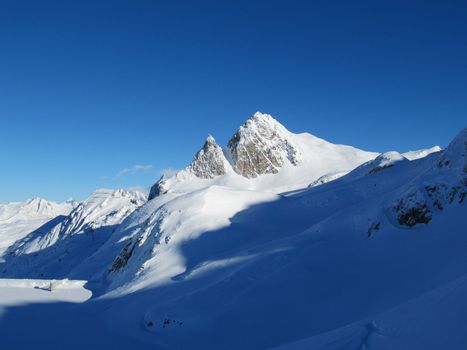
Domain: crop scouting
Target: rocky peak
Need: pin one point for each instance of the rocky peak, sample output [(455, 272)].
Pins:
[(445, 183), (209, 162), (159, 188), (261, 146)]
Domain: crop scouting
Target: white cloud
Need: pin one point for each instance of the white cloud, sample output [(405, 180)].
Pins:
[(135, 169), (138, 169), (168, 172)]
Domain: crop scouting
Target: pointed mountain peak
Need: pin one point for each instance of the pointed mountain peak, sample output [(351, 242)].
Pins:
[(264, 124), (261, 146), (209, 162), (210, 140), (264, 117)]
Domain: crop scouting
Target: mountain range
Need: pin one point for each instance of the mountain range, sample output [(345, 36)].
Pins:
[(277, 240)]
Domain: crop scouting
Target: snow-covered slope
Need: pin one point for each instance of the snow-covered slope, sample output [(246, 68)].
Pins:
[(57, 249), (17, 219), (263, 155), (412, 155), (199, 268), (221, 258)]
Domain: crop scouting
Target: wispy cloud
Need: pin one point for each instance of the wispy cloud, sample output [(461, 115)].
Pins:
[(135, 169), (168, 172)]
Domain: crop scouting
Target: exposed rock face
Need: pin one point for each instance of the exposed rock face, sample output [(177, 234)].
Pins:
[(209, 162), (444, 184), (261, 146), (158, 189)]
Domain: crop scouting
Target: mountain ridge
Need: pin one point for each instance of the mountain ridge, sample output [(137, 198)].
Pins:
[(262, 154)]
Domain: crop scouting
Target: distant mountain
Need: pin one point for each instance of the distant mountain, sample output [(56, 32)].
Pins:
[(34, 208), (56, 249), (17, 219)]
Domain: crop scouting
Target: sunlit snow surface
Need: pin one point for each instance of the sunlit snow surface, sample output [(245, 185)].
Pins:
[(24, 291), (374, 259), (18, 219)]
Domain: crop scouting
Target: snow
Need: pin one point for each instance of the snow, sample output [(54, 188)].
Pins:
[(287, 268), (312, 158), (381, 162), (32, 317), (327, 178), (413, 155), (22, 291), (372, 258), (17, 219), (56, 249)]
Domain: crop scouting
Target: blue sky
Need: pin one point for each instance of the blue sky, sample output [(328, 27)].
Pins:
[(109, 93)]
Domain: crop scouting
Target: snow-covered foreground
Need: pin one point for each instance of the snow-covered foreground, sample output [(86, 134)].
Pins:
[(22, 291), (367, 258), (433, 320), (32, 315)]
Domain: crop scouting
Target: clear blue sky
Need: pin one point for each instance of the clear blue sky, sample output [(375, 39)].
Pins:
[(91, 88)]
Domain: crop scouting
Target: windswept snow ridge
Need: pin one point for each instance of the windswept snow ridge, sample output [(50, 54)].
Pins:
[(413, 155)]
